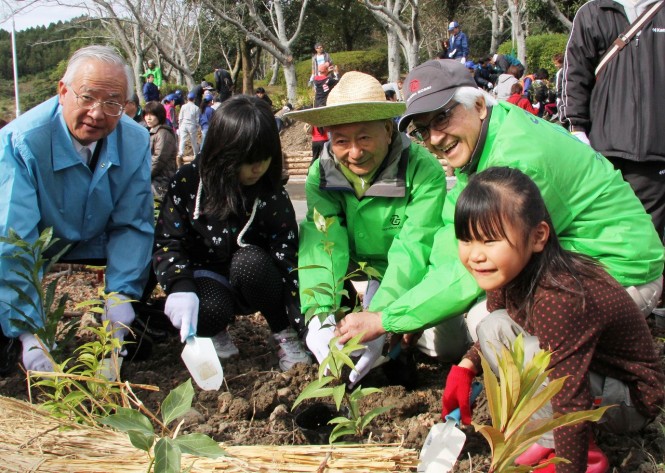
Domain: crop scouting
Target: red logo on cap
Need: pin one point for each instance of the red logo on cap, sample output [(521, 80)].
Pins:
[(414, 85)]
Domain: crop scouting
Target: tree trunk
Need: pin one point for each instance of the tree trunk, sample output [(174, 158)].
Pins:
[(517, 30), (247, 79), (394, 55), (496, 27), (275, 70), (291, 82)]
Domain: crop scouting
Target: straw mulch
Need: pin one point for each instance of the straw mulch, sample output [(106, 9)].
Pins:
[(31, 440)]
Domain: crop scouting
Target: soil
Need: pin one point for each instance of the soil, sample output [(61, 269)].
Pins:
[(253, 407)]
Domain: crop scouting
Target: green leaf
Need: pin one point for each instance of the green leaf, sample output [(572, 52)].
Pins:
[(338, 395), (178, 402), (310, 266), (367, 418), (125, 420), (372, 273), (141, 440), (315, 389), (199, 444), (167, 456), (342, 429)]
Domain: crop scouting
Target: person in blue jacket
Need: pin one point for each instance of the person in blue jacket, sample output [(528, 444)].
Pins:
[(458, 43), (78, 164)]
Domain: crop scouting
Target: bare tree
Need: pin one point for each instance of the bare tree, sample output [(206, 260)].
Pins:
[(517, 10), (172, 28), (274, 39), (390, 14)]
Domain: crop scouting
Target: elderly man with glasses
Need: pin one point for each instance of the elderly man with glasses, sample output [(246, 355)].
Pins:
[(385, 195), (77, 164)]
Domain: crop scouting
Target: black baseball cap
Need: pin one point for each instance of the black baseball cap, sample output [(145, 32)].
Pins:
[(431, 86)]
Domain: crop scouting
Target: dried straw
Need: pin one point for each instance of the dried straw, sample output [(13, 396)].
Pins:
[(31, 440)]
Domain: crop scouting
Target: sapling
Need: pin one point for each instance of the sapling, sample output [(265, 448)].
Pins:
[(514, 398), (166, 448), (33, 266), (330, 382)]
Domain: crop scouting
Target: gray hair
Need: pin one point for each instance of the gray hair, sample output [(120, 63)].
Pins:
[(468, 96), (98, 53)]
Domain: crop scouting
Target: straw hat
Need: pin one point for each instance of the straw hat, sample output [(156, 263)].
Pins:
[(356, 98)]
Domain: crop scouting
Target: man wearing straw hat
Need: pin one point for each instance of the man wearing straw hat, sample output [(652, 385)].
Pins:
[(386, 196)]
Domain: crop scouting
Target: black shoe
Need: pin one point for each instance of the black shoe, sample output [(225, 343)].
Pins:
[(151, 320), (138, 345), (10, 349)]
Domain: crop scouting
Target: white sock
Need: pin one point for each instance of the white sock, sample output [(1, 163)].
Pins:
[(34, 358)]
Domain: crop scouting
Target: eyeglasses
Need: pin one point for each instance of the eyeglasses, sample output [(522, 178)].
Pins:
[(438, 123), (110, 108)]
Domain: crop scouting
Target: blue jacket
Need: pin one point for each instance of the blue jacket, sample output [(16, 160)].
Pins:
[(107, 214), (150, 92), (459, 46)]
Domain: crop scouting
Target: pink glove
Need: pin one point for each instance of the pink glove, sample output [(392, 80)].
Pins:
[(457, 393)]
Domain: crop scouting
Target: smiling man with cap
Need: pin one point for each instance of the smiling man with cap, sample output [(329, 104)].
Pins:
[(385, 195), (593, 209)]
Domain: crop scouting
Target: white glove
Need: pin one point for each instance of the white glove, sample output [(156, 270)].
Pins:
[(371, 353), (580, 135), (490, 85), (182, 309), (463, 60), (34, 358), (318, 336), (121, 314)]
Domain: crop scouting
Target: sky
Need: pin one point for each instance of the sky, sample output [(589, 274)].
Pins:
[(32, 13)]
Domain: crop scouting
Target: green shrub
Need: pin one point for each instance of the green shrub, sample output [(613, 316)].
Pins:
[(539, 50)]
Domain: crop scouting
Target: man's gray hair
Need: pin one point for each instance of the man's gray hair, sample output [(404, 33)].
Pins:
[(98, 53), (468, 96)]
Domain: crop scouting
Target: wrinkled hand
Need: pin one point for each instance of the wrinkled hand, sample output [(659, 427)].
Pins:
[(119, 311), (367, 323), (457, 393), (182, 309), (580, 135), (319, 336), (370, 354)]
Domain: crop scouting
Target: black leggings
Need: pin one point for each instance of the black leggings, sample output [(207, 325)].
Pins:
[(255, 284)]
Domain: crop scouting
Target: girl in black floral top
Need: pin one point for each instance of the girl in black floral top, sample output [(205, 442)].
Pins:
[(226, 239)]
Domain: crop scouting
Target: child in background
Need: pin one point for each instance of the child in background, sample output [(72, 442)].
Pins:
[(520, 100), (205, 114), (171, 116), (226, 240), (561, 301), (188, 120)]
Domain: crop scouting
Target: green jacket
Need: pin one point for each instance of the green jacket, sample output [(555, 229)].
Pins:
[(594, 212), (157, 72), (391, 228)]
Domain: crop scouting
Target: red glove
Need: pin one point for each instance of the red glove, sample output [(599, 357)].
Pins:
[(457, 393)]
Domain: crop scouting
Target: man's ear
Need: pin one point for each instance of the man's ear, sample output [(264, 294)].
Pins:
[(481, 106), (62, 90), (540, 236), (390, 127)]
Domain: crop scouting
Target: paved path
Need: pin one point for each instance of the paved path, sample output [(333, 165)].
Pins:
[(296, 190)]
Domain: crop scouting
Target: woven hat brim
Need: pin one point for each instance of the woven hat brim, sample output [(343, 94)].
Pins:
[(349, 113)]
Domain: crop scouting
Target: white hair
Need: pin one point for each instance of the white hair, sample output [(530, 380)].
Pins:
[(468, 96), (104, 54)]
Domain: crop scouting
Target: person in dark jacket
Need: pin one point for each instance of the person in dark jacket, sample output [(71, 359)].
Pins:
[(324, 81), (223, 83), (164, 148), (226, 240), (150, 90), (458, 43), (617, 111)]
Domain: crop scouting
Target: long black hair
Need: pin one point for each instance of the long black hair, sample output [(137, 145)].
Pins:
[(501, 195), (242, 131)]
